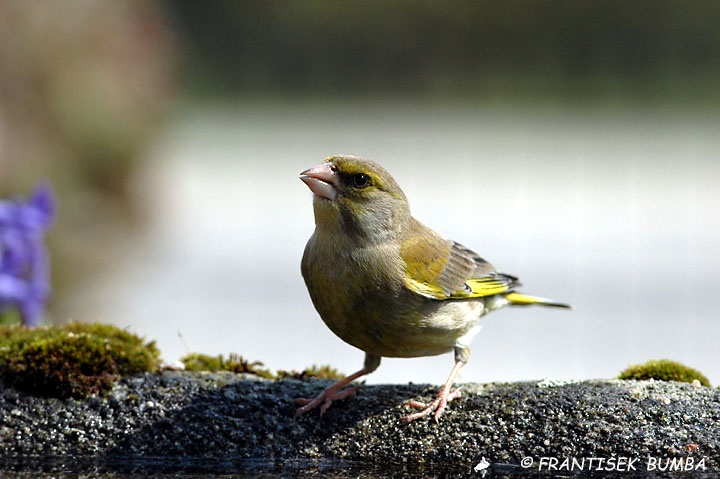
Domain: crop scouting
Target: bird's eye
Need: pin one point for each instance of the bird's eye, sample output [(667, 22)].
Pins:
[(360, 180)]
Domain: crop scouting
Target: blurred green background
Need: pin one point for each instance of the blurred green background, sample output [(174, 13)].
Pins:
[(646, 49), (169, 130)]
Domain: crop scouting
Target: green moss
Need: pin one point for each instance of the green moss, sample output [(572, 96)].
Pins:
[(202, 362), (237, 364), (234, 363), (664, 370), (72, 360), (320, 372), (10, 317)]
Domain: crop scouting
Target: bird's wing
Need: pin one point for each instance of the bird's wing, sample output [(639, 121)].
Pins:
[(438, 268)]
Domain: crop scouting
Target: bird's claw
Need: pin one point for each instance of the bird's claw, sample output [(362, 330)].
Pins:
[(325, 398), (438, 406)]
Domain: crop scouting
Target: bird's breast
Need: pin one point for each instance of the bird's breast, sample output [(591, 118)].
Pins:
[(360, 295)]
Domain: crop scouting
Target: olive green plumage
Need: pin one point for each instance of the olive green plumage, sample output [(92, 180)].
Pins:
[(384, 282)]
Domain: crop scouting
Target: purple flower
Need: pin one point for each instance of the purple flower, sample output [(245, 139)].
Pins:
[(24, 263)]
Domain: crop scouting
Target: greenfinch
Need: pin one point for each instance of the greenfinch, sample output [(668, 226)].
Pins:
[(387, 284)]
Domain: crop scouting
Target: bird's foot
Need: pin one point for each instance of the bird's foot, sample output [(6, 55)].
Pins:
[(437, 406), (330, 394)]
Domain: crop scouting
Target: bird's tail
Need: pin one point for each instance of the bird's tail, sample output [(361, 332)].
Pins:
[(519, 299)]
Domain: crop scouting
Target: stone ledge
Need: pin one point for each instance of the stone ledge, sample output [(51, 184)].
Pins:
[(226, 416)]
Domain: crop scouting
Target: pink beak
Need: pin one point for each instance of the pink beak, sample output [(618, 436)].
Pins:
[(321, 180)]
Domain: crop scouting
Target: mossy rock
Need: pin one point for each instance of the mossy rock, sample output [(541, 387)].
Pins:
[(319, 372), (237, 364), (72, 360), (664, 370), (233, 363)]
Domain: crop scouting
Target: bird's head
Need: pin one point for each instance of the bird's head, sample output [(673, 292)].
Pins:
[(357, 197)]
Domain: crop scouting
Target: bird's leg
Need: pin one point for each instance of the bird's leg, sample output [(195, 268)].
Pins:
[(336, 391), (443, 397)]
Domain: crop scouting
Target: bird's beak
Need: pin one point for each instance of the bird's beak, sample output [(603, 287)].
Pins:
[(321, 180)]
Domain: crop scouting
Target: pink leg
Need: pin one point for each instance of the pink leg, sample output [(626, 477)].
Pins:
[(336, 391), (443, 397)]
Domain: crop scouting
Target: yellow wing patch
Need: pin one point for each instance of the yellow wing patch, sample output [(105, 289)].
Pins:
[(474, 288), (487, 286), (424, 289), (438, 268)]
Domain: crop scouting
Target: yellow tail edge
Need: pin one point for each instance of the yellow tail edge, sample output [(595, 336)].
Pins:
[(518, 299)]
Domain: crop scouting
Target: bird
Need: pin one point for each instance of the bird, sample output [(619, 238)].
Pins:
[(390, 286)]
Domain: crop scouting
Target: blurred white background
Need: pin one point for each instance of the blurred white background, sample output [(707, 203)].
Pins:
[(611, 209)]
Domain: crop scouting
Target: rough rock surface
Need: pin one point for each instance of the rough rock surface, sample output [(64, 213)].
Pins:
[(238, 422)]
